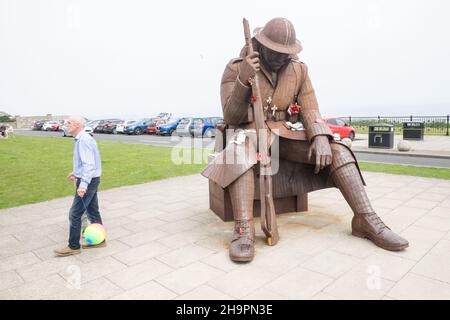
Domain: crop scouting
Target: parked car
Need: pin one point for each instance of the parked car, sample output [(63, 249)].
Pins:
[(339, 126), (66, 133), (99, 127), (93, 124), (184, 127), (120, 128), (110, 126), (205, 127), (151, 128), (51, 126), (138, 127), (37, 125), (154, 124), (167, 128), (104, 125)]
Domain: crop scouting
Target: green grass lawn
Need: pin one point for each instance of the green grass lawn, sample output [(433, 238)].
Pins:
[(34, 169), (427, 172)]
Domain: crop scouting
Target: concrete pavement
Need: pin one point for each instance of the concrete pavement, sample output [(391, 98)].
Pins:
[(430, 146), (164, 243)]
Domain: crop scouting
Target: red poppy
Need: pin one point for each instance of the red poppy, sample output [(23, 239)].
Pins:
[(259, 156), (294, 109)]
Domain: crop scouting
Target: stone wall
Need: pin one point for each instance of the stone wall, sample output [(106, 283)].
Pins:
[(26, 122), (12, 124)]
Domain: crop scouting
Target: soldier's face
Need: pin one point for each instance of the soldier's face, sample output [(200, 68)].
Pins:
[(274, 60)]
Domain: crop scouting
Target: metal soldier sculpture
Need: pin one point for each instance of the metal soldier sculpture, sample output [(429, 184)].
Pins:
[(310, 159)]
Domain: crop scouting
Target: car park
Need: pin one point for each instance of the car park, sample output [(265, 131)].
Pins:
[(37, 125), (110, 126), (104, 125), (184, 127), (167, 128), (99, 127), (51, 126), (138, 127), (120, 128), (154, 124), (205, 127)]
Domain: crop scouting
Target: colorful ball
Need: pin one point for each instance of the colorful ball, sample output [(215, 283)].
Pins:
[(94, 233)]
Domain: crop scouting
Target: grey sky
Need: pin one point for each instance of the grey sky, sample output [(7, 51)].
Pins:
[(135, 58)]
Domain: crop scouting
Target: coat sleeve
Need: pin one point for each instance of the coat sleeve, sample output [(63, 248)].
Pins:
[(309, 109), (235, 96)]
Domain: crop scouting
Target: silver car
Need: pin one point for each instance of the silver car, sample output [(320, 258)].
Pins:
[(183, 128), (121, 126)]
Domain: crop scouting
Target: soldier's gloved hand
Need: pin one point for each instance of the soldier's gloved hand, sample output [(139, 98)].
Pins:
[(249, 67), (321, 150)]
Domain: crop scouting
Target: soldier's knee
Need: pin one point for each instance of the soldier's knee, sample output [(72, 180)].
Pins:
[(341, 156)]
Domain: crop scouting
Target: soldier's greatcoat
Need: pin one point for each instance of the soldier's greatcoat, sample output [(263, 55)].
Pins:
[(278, 92)]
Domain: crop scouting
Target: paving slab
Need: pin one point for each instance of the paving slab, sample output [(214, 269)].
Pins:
[(180, 250)]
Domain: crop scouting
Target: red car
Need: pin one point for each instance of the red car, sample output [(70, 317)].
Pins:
[(341, 127), (151, 129)]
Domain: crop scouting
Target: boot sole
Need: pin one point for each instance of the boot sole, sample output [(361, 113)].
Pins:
[(241, 259), (378, 244)]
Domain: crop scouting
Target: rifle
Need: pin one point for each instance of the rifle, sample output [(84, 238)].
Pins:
[(268, 217)]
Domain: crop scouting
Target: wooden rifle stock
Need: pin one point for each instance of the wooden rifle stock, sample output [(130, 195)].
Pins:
[(268, 216)]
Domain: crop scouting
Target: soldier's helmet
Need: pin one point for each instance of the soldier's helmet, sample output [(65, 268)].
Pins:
[(279, 35)]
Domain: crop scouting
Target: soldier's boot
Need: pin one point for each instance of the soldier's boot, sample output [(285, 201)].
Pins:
[(242, 244), (365, 223)]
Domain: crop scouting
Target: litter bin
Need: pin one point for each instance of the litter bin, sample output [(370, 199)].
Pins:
[(413, 130), (381, 135)]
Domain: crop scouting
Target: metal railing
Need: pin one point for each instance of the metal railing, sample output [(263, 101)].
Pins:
[(434, 125)]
